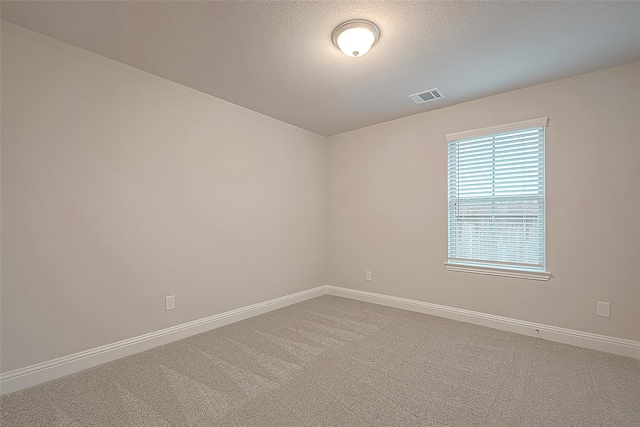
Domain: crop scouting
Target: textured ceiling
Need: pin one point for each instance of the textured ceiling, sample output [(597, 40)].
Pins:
[(277, 58)]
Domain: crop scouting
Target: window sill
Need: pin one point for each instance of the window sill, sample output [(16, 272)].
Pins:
[(494, 271)]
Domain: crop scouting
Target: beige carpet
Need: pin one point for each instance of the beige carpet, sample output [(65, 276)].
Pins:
[(337, 362)]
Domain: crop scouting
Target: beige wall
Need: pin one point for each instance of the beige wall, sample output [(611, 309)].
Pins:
[(388, 204), (119, 188)]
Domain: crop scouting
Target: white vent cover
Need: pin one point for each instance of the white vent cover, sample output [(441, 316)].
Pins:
[(426, 96)]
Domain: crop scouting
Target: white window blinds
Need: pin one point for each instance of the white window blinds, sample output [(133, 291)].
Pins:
[(496, 196)]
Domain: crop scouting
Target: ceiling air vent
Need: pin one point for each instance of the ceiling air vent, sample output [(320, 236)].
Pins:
[(426, 96)]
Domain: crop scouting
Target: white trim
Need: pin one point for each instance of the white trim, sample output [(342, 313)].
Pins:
[(35, 374), (604, 343), (525, 124), (496, 271)]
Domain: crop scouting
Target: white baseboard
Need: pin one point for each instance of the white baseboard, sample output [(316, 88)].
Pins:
[(604, 343), (35, 374)]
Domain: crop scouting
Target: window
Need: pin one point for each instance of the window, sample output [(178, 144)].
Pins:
[(496, 203)]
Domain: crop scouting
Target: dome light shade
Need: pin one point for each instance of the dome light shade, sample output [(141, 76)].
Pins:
[(355, 38)]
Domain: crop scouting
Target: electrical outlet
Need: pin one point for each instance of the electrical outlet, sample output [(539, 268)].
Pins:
[(367, 275), (170, 302), (603, 309)]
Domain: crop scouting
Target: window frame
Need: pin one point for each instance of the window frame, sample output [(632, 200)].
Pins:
[(478, 268)]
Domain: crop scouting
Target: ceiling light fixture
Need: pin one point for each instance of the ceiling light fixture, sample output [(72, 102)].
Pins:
[(355, 37)]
